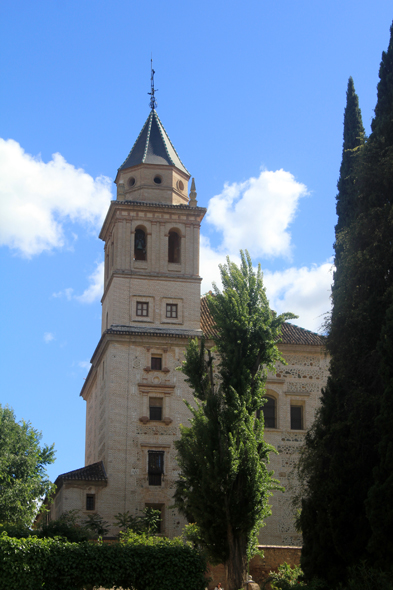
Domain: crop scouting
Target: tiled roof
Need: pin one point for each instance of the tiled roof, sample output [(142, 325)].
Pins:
[(291, 334), (147, 331), (153, 146), (93, 472)]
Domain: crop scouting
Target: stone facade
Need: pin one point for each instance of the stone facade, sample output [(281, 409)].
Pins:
[(151, 307)]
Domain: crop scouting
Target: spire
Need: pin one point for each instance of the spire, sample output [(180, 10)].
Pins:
[(193, 202), (153, 102), (153, 146)]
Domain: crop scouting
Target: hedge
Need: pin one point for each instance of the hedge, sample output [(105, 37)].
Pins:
[(138, 563)]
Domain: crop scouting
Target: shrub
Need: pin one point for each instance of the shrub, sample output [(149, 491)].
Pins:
[(139, 562)]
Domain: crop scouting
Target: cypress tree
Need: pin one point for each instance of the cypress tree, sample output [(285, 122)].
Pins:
[(325, 475), (348, 449), (380, 497)]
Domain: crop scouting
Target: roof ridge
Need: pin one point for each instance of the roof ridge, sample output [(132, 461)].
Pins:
[(150, 119), (135, 142), (169, 139)]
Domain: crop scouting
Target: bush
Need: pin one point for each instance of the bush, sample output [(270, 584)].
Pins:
[(289, 577), (139, 562), (362, 577)]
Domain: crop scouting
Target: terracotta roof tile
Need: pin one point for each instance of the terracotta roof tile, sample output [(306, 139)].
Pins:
[(93, 472), (291, 334)]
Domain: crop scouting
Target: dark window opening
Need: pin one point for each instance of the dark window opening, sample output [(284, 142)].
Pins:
[(90, 501), (140, 245), (155, 467), (269, 412), (173, 247), (296, 418), (155, 408), (171, 310), (156, 363), (142, 308), (157, 179)]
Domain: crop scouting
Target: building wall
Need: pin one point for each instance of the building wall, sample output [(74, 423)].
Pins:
[(119, 433)]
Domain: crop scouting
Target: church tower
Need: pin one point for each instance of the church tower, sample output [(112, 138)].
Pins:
[(150, 309)]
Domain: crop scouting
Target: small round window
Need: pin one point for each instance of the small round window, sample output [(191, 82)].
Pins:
[(157, 179), (180, 185), (131, 181)]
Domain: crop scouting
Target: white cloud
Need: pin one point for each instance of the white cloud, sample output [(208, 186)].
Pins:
[(67, 293), (96, 288), (38, 198), (84, 365), (48, 337), (304, 291), (255, 214)]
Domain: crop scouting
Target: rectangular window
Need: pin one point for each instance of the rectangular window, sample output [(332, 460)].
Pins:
[(90, 501), (155, 408), (156, 363), (142, 308), (296, 417), (171, 310), (155, 467)]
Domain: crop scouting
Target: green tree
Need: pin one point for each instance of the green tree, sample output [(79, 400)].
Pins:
[(344, 450), (225, 484), (324, 467), (23, 477)]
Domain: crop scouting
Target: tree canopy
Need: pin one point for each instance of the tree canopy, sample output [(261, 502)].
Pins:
[(346, 466), (23, 477), (225, 484)]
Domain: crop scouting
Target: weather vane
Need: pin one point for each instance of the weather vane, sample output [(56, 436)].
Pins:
[(153, 102)]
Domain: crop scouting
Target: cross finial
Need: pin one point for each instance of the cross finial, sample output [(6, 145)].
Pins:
[(153, 102)]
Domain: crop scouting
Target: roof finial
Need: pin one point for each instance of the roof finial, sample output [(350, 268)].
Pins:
[(153, 102)]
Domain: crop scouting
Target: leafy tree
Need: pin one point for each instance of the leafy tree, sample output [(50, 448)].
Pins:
[(224, 484), (23, 477), (96, 524), (147, 522), (347, 451)]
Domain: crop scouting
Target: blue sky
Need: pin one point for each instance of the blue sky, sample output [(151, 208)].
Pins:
[(251, 94)]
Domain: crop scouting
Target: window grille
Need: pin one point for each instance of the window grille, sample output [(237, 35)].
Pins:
[(155, 408), (155, 467), (90, 501)]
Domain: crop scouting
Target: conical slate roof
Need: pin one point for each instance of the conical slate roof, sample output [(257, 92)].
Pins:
[(153, 146)]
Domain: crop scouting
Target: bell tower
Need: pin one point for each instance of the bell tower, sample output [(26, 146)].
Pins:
[(150, 309)]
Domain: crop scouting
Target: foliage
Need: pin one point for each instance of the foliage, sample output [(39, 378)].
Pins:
[(23, 477), (67, 526), (147, 522), (142, 563), (347, 504), (362, 577), (224, 484), (96, 524), (288, 577)]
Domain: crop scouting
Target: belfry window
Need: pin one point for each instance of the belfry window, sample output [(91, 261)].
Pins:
[(155, 467), (269, 412), (174, 247), (140, 245)]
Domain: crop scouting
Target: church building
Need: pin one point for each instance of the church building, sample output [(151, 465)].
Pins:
[(151, 308)]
